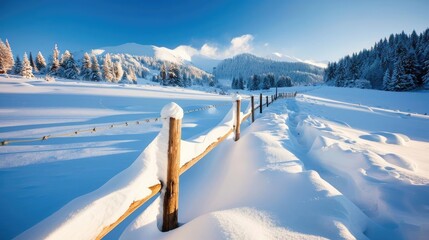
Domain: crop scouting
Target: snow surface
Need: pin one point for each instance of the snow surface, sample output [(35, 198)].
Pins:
[(333, 163)]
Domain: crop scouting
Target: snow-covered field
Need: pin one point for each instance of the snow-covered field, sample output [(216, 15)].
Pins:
[(333, 163)]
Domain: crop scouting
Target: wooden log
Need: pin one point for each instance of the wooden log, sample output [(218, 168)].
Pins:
[(260, 103), (252, 101), (237, 122), (245, 117), (134, 206), (171, 196)]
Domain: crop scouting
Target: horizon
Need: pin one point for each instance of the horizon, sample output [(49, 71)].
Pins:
[(319, 32)]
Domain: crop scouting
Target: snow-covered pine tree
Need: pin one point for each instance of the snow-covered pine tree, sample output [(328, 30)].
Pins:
[(9, 56), (2, 57), (284, 81), (95, 70), (234, 83), (174, 76), (18, 66), (403, 79), (33, 65), (272, 79), (387, 81), (6, 57), (163, 74), (118, 71), (108, 69), (187, 82), (266, 83), (240, 83), (86, 71), (40, 62), (255, 83), (131, 75), (69, 67), (27, 70), (55, 63)]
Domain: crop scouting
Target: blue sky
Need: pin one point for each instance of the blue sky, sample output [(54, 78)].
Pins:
[(317, 30)]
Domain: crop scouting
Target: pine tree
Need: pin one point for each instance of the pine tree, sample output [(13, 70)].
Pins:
[(55, 63), (272, 79), (86, 71), (266, 83), (40, 62), (9, 56), (18, 66), (240, 83), (234, 83), (108, 68), (131, 76), (69, 68), (163, 74), (118, 71), (33, 65), (174, 76), (255, 83), (95, 70), (6, 57), (27, 70), (387, 81), (284, 81)]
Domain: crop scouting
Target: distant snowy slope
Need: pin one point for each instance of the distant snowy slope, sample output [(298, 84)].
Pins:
[(146, 60), (179, 55), (246, 65), (286, 58)]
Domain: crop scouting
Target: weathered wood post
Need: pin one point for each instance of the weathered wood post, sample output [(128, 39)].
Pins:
[(171, 194), (260, 103), (252, 101), (267, 100), (276, 92), (237, 117)]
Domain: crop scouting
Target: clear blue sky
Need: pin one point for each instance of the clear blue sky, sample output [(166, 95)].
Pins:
[(307, 29)]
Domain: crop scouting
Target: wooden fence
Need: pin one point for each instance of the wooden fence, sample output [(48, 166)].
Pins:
[(170, 203)]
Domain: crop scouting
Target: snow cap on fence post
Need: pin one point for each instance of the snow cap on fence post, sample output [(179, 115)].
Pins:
[(172, 110)]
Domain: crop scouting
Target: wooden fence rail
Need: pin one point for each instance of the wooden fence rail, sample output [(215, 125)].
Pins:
[(171, 202)]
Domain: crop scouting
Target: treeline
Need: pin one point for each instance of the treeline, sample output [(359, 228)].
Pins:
[(65, 67), (400, 63), (170, 74), (115, 68), (258, 82), (248, 65)]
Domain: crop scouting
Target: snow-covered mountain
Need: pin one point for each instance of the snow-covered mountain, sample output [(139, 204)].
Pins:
[(146, 60), (179, 55), (286, 58), (246, 65)]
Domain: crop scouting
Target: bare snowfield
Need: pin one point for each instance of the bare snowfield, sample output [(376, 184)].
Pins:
[(333, 163)]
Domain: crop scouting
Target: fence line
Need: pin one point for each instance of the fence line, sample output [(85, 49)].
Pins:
[(167, 224), (169, 140), (102, 127)]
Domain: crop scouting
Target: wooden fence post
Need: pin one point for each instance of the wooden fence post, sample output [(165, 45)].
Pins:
[(260, 103), (237, 122), (252, 101), (267, 100), (171, 195)]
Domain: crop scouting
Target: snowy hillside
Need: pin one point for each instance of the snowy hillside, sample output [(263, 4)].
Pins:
[(146, 60), (246, 65), (333, 163)]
